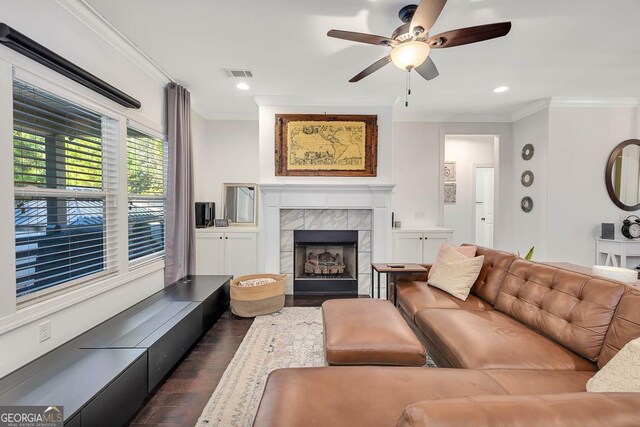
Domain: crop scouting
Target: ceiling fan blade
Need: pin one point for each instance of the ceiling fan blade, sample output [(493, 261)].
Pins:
[(469, 35), (428, 69), (426, 14), (362, 38), (371, 69)]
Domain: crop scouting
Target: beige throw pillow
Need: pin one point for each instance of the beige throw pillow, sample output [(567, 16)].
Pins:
[(468, 251), (456, 274), (621, 374)]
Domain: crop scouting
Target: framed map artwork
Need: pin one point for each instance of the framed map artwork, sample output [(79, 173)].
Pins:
[(326, 145)]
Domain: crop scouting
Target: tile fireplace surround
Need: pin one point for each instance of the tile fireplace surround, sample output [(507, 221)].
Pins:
[(288, 207)]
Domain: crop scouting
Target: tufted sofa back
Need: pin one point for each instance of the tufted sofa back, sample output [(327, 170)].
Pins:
[(625, 326), (572, 309), (494, 270)]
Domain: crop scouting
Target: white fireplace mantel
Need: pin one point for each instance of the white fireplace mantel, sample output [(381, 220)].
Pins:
[(275, 197)]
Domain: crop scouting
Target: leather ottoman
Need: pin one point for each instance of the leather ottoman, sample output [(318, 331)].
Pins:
[(368, 332)]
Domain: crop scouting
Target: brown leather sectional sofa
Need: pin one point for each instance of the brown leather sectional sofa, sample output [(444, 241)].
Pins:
[(528, 339)]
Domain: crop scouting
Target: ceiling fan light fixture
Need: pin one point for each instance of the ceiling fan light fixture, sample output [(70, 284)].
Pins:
[(409, 55)]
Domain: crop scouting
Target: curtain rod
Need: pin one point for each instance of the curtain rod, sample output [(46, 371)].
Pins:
[(22, 44)]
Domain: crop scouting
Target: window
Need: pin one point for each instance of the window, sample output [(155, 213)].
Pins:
[(65, 188), (146, 182)]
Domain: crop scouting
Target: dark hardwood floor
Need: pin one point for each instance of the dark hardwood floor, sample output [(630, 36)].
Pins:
[(181, 397)]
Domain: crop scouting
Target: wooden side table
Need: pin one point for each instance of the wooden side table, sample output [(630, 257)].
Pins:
[(394, 271)]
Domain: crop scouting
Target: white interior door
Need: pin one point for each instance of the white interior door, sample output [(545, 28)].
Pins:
[(484, 212)]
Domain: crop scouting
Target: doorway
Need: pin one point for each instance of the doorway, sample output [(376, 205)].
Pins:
[(470, 183), (484, 205)]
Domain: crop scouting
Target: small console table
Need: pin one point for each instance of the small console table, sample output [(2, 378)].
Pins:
[(615, 252), (394, 271)]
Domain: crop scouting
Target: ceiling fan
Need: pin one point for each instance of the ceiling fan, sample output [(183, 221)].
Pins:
[(411, 43)]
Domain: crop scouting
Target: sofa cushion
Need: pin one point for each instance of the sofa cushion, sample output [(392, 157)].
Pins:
[(562, 410), (416, 296), (492, 340), (375, 396), (494, 269), (572, 309), (624, 327)]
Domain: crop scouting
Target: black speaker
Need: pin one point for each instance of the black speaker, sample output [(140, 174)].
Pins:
[(205, 213), (608, 231)]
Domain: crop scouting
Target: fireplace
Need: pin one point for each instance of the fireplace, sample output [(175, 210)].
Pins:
[(325, 262)]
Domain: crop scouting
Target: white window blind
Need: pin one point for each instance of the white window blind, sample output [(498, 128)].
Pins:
[(146, 172), (65, 188), (244, 204)]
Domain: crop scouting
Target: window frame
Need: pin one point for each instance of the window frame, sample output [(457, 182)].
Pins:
[(138, 127), (107, 194), (13, 314)]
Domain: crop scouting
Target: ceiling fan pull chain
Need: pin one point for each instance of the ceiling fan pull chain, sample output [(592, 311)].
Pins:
[(407, 89)]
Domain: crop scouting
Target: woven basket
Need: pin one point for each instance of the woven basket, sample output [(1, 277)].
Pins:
[(254, 301)]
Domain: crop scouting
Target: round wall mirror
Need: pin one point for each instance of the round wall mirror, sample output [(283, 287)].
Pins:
[(622, 175)]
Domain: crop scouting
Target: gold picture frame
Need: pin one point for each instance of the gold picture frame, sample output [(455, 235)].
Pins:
[(326, 145)]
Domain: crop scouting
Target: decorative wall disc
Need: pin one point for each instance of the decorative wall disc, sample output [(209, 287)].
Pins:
[(527, 152), (527, 178), (526, 204)]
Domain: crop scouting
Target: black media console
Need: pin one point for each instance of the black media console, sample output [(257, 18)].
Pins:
[(103, 376)]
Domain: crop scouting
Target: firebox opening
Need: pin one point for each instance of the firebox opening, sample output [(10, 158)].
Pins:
[(325, 262)]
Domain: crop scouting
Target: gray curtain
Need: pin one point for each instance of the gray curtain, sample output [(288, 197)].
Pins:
[(180, 218)]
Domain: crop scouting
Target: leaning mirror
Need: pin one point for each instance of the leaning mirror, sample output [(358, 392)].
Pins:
[(622, 175), (240, 206)]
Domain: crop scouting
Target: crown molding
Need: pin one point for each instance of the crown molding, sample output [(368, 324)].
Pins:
[(90, 17), (596, 102), (530, 109), (450, 118), (355, 101)]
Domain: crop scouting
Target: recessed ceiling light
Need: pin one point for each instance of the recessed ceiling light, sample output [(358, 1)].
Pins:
[(501, 89), (242, 86)]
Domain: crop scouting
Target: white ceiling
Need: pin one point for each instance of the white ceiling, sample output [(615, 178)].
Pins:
[(557, 48)]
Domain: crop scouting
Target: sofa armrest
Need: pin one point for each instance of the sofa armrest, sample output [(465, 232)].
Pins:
[(566, 409), (417, 277)]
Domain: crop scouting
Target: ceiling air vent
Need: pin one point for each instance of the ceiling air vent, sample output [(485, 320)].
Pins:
[(238, 73)]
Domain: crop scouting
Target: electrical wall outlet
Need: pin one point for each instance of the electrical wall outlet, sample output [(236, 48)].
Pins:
[(45, 330), (419, 215)]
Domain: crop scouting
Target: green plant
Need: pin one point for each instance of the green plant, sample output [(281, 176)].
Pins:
[(529, 254)]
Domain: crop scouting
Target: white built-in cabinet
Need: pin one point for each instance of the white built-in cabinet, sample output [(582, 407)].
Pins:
[(418, 246), (226, 252)]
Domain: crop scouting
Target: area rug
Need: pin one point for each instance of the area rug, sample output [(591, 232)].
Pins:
[(287, 339)]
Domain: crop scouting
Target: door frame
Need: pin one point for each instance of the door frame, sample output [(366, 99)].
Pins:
[(477, 166), (497, 218)]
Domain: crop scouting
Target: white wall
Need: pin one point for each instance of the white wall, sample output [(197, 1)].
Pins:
[(48, 23), (530, 229), (468, 152), (416, 164), (581, 140), (267, 143), (418, 152), (224, 151)]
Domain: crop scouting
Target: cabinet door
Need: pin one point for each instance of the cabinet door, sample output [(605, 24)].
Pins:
[(241, 253), (407, 247), (431, 245), (209, 253)]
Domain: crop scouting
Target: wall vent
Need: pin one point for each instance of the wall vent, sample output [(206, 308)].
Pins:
[(237, 73)]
